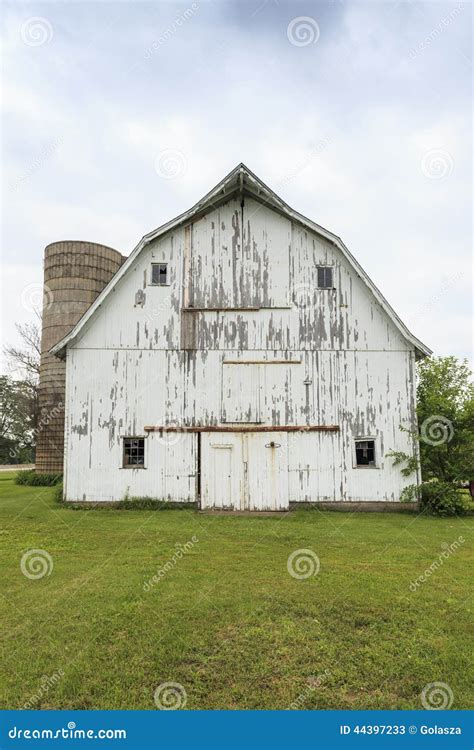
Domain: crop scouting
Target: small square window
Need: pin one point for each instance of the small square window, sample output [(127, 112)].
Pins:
[(159, 274), (133, 453), (325, 277), (365, 452)]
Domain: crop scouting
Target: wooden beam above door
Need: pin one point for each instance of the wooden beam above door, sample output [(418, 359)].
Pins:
[(242, 428)]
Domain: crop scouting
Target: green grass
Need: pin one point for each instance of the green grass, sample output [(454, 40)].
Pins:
[(227, 621)]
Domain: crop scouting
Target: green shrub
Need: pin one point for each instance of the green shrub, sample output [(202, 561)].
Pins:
[(443, 499), (410, 494), (32, 479)]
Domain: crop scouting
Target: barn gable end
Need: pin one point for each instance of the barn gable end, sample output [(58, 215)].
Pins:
[(241, 359), (244, 279)]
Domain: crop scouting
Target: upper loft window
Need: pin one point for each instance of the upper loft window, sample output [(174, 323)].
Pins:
[(325, 277), (365, 452), (134, 453), (159, 274)]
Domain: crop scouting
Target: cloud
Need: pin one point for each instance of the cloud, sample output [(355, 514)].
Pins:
[(346, 130)]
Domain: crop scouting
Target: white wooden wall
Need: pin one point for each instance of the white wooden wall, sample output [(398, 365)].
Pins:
[(129, 369)]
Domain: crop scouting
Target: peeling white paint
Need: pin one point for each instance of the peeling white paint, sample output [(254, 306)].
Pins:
[(309, 357)]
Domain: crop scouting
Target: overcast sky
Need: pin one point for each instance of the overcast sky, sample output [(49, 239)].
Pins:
[(117, 116)]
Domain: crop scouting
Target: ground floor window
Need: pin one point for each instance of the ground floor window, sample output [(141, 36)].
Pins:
[(365, 452), (133, 452)]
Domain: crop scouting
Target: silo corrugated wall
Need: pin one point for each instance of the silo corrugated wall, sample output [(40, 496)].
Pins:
[(74, 275)]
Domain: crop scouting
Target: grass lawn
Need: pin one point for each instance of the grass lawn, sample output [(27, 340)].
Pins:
[(227, 621)]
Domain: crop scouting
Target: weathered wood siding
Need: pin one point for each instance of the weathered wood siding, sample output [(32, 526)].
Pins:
[(333, 357)]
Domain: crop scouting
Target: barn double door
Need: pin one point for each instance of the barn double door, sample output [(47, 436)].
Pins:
[(244, 471)]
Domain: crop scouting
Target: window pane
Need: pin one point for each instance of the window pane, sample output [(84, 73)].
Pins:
[(324, 277), (159, 273), (365, 452), (134, 451)]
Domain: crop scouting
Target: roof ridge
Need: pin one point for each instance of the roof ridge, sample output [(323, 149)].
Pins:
[(208, 201)]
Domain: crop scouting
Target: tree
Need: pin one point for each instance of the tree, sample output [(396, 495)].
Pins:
[(445, 409), (19, 395), (17, 425), (26, 359)]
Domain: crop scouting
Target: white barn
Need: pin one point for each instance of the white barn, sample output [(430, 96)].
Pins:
[(241, 359)]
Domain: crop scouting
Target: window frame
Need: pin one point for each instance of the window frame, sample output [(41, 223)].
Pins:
[(133, 466), (159, 283), (325, 268), (366, 439)]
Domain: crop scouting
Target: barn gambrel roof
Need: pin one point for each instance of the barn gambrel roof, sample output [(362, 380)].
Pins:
[(240, 181)]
